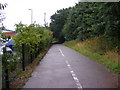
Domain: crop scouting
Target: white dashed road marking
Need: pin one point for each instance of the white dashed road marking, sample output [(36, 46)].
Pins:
[(79, 86), (61, 52), (74, 76)]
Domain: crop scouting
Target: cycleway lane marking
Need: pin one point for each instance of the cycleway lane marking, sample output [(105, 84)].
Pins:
[(79, 86), (61, 52)]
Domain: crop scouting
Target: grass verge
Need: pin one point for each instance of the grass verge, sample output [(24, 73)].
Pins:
[(23, 76), (107, 59)]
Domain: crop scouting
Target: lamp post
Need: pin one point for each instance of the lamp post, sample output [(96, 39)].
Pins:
[(31, 15), (45, 19)]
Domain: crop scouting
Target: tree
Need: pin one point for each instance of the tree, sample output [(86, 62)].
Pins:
[(3, 6), (88, 20), (31, 36), (57, 22)]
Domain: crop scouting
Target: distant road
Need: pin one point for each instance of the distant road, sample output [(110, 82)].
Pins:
[(63, 67)]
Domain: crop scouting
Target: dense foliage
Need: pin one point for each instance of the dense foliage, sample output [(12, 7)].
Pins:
[(35, 40), (87, 20), (33, 36), (57, 22), (29, 42)]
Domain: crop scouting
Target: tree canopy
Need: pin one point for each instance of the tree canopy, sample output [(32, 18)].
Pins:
[(88, 20), (57, 22), (3, 6), (32, 35), (2, 17)]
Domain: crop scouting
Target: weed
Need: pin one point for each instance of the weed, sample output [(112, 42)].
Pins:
[(96, 49), (22, 78)]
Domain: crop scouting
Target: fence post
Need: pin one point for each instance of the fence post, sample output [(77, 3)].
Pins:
[(5, 65), (23, 57), (6, 77)]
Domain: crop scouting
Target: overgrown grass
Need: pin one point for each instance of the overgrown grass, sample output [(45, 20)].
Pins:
[(96, 50), (22, 78)]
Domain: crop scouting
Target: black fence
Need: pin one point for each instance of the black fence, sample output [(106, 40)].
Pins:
[(12, 65)]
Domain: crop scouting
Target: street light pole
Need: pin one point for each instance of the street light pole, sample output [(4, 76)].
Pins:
[(45, 19), (31, 15)]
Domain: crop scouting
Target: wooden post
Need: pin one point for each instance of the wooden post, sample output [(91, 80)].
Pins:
[(23, 57)]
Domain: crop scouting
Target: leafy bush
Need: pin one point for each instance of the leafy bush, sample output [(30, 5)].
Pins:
[(32, 36)]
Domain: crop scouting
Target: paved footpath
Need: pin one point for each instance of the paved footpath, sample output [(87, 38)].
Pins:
[(63, 67)]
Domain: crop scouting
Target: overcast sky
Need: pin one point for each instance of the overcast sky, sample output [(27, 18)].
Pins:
[(17, 10)]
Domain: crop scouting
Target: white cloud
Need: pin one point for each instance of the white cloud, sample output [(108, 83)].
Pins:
[(17, 10)]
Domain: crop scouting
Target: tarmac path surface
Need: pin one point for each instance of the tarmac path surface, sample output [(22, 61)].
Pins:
[(63, 67)]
